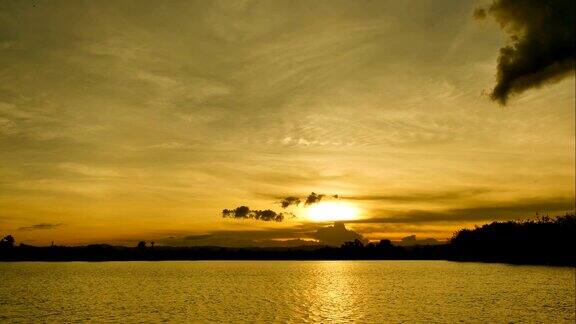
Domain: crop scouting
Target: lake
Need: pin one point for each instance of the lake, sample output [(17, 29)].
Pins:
[(285, 291)]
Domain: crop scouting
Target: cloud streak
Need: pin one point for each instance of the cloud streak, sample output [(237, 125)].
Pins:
[(303, 234), (473, 214), (543, 49), (422, 196), (41, 226)]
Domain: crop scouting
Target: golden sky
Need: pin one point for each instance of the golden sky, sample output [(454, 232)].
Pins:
[(130, 120)]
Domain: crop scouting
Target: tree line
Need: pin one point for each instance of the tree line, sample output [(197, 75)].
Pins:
[(541, 241)]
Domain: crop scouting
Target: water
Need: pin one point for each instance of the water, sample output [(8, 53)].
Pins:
[(285, 291)]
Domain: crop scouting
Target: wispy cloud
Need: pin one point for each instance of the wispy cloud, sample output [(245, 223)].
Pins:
[(298, 235), (200, 105), (87, 170), (40, 226), (423, 196), (488, 212)]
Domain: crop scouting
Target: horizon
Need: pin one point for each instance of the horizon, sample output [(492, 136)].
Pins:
[(249, 121)]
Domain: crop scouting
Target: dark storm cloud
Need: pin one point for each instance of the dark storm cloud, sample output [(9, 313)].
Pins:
[(41, 226), (543, 45), (519, 209), (289, 201), (244, 212)]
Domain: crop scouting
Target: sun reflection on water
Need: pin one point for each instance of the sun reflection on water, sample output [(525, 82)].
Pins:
[(332, 298)]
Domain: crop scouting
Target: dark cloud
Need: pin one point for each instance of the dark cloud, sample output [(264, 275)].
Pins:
[(238, 212), (299, 235), (519, 209), (293, 236), (398, 198), (337, 235), (268, 214), (543, 49), (479, 13), (41, 226), (411, 240), (313, 198), (197, 237), (289, 201), (244, 212), (423, 196)]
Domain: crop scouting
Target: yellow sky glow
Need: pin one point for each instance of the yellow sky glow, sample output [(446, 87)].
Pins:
[(333, 211), (124, 121)]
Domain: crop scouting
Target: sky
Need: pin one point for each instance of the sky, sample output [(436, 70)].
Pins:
[(142, 120)]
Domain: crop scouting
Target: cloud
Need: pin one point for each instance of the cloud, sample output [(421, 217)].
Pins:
[(299, 235), (423, 196), (294, 236), (7, 127), (337, 235), (87, 170), (411, 240), (197, 237), (519, 209), (313, 198), (543, 49), (244, 212), (289, 201), (41, 226), (269, 215), (479, 13)]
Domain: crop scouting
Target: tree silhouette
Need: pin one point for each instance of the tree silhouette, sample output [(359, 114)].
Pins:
[(544, 240), (141, 245), (7, 242)]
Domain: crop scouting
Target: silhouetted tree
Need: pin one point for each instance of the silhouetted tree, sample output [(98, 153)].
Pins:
[(7, 242), (141, 245), (543, 240)]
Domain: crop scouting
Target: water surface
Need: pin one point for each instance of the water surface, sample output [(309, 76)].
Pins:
[(280, 291)]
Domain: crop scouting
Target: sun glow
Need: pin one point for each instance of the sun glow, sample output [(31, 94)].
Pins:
[(332, 211)]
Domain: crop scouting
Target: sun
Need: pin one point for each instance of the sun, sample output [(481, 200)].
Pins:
[(330, 211)]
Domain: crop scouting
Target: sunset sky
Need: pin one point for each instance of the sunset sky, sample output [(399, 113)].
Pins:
[(142, 120)]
